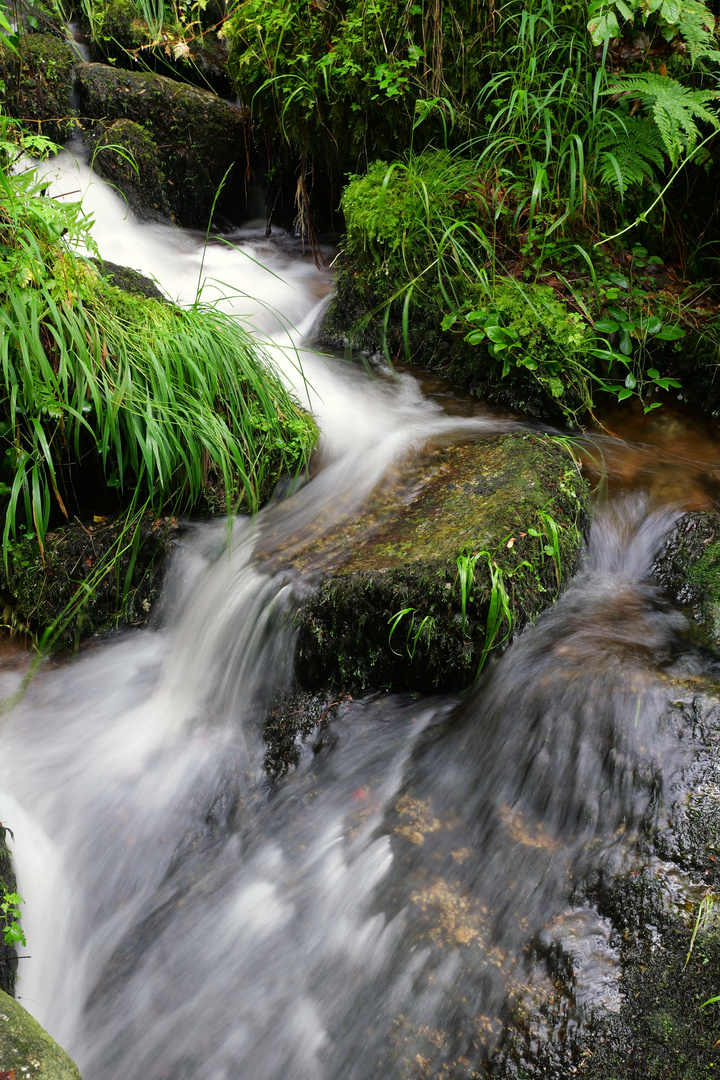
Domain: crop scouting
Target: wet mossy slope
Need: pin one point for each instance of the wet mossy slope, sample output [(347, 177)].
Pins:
[(26, 1050), (510, 507)]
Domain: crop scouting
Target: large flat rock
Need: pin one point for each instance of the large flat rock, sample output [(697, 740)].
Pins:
[(511, 507)]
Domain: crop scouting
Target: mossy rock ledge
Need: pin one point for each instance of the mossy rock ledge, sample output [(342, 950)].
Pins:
[(26, 1049), (688, 569), (38, 84), (197, 134), (494, 498)]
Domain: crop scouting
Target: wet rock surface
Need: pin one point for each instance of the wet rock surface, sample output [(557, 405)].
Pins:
[(128, 157), (26, 1049), (499, 505), (688, 569), (616, 988), (196, 133)]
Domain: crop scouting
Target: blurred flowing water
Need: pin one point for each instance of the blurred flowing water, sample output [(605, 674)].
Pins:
[(370, 914)]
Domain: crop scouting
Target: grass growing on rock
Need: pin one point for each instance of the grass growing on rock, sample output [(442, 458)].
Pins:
[(162, 403)]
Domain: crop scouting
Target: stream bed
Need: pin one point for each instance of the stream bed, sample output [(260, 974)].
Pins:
[(380, 910)]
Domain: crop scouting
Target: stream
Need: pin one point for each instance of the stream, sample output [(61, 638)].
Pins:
[(369, 915)]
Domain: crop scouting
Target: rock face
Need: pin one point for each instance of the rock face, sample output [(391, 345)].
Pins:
[(128, 156), (198, 136), (8, 884), (689, 570), (26, 1049), (471, 543)]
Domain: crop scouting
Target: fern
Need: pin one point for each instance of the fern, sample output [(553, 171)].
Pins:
[(695, 23), (629, 156), (676, 110)]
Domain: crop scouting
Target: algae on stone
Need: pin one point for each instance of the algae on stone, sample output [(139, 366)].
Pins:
[(488, 496), (26, 1049)]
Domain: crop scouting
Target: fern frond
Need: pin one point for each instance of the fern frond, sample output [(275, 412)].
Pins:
[(629, 154), (694, 21), (676, 110)]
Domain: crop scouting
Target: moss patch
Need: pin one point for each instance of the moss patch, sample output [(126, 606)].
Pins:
[(128, 156), (689, 570), (38, 84), (8, 954), (27, 1050), (197, 134), (489, 498), (96, 577)]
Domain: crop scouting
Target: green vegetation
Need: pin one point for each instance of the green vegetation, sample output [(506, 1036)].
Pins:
[(163, 402), (10, 914), (114, 403)]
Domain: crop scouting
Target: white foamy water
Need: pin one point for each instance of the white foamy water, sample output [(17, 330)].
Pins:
[(371, 911)]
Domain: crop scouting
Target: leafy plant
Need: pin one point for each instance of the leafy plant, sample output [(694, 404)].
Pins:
[(499, 606), (416, 630), (10, 914), (164, 399)]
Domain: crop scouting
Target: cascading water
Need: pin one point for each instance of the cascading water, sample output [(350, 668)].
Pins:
[(367, 917)]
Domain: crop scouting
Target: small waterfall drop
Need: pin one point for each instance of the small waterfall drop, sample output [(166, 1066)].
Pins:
[(366, 917)]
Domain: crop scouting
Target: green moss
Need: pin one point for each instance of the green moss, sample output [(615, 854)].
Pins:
[(95, 577), (38, 84), (205, 134), (27, 1050), (689, 571), (8, 955), (121, 26), (488, 496), (128, 156)]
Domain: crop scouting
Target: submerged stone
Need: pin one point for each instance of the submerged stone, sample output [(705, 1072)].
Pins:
[(26, 1049), (452, 557)]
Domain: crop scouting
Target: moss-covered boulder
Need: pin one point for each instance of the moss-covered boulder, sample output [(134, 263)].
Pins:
[(131, 281), (39, 83), (26, 1049), (468, 545), (199, 135), (194, 55), (91, 577), (689, 570), (128, 157)]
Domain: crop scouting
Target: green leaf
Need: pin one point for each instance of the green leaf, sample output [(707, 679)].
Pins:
[(604, 27), (630, 381), (625, 342), (670, 333), (623, 394), (607, 326)]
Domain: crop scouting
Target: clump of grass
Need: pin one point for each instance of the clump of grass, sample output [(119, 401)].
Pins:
[(167, 401)]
